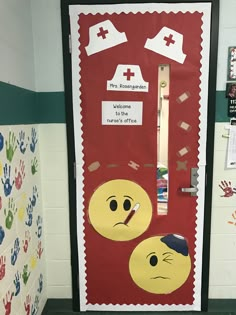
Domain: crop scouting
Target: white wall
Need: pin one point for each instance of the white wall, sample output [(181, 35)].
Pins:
[(223, 246), (46, 19), (17, 68), (223, 234), (16, 44), (47, 36), (49, 77), (56, 209)]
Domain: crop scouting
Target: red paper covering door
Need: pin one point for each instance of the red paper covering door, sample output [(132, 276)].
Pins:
[(130, 254)]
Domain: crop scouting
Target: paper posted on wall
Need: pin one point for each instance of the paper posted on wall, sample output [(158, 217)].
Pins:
[(231, 155)]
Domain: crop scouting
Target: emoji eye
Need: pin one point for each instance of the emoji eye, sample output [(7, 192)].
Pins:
[(127, 204), (153, 260), (113, 205), (168, 259)]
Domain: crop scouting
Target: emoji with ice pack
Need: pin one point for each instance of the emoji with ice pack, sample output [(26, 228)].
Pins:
[(120, 210), (160, 264)]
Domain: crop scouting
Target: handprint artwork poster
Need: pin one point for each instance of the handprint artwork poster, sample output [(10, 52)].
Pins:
[(227, 189), (22, 271)]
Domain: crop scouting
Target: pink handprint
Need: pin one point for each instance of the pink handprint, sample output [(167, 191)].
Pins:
[(26, 241), (227, 189), (40, 249), (2, 267), (7, 303), (19, 175), (27, 304)]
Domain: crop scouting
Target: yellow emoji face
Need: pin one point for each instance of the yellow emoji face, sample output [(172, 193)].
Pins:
[(160, 264), (120, 210)]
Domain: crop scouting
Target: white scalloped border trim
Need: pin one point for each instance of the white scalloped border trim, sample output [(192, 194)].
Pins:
[(75, 10), (138, 8)]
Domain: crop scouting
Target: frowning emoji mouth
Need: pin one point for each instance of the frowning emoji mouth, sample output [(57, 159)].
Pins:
[(160, 277), (120, 223)]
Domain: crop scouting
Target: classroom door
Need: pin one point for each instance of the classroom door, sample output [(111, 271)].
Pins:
[(140, 103)]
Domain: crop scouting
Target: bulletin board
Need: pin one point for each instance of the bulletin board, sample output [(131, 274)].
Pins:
[(130, 255)]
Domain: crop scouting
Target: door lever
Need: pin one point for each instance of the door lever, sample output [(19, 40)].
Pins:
[(193, 188)]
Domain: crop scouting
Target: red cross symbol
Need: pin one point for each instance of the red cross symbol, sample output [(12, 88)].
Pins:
[(128, 74), (102, 33), (169, 40)]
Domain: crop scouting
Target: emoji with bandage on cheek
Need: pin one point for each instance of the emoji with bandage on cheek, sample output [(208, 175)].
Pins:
[(160, 264), (120, 210)]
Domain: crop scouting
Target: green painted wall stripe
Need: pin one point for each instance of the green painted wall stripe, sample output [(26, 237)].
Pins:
[(22, 106), (51, 107), (17, 105)]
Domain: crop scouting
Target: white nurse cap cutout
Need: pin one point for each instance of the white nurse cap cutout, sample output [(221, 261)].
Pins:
[(102, 36), (128, 78), (168, 43)]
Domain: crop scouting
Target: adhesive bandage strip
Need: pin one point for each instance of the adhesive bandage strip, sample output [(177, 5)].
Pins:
[(185, 126), (183, 151), (112, 165), (133, 165), (149, 165), (183, 97), (94, 166)]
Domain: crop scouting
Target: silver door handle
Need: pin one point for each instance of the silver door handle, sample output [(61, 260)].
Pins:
[(193, 182), (189, 190)]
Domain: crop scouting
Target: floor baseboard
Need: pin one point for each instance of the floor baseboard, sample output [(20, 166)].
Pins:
[(64, 307)]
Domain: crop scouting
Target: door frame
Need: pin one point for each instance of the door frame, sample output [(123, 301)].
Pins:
[(65, 22)]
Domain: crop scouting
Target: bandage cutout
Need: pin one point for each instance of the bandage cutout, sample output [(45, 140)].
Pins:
[(94, 166), (112, 165), (102, 36), (181, 165), (183, 97), (149, 165), (167, 43), (133, 165), (185, 126), (183, 151)]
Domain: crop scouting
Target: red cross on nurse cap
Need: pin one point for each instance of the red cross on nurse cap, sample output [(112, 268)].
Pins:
[(102, 36), (168, 43)]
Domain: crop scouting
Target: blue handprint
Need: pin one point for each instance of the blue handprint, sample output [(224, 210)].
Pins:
[(1, 142), (21, 142), (29, 211), (2, 234), (35, 306), (40, 288), (34, 196), (7, 181), (17, 283), (34, 140), (15, 251), (39, 225)]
